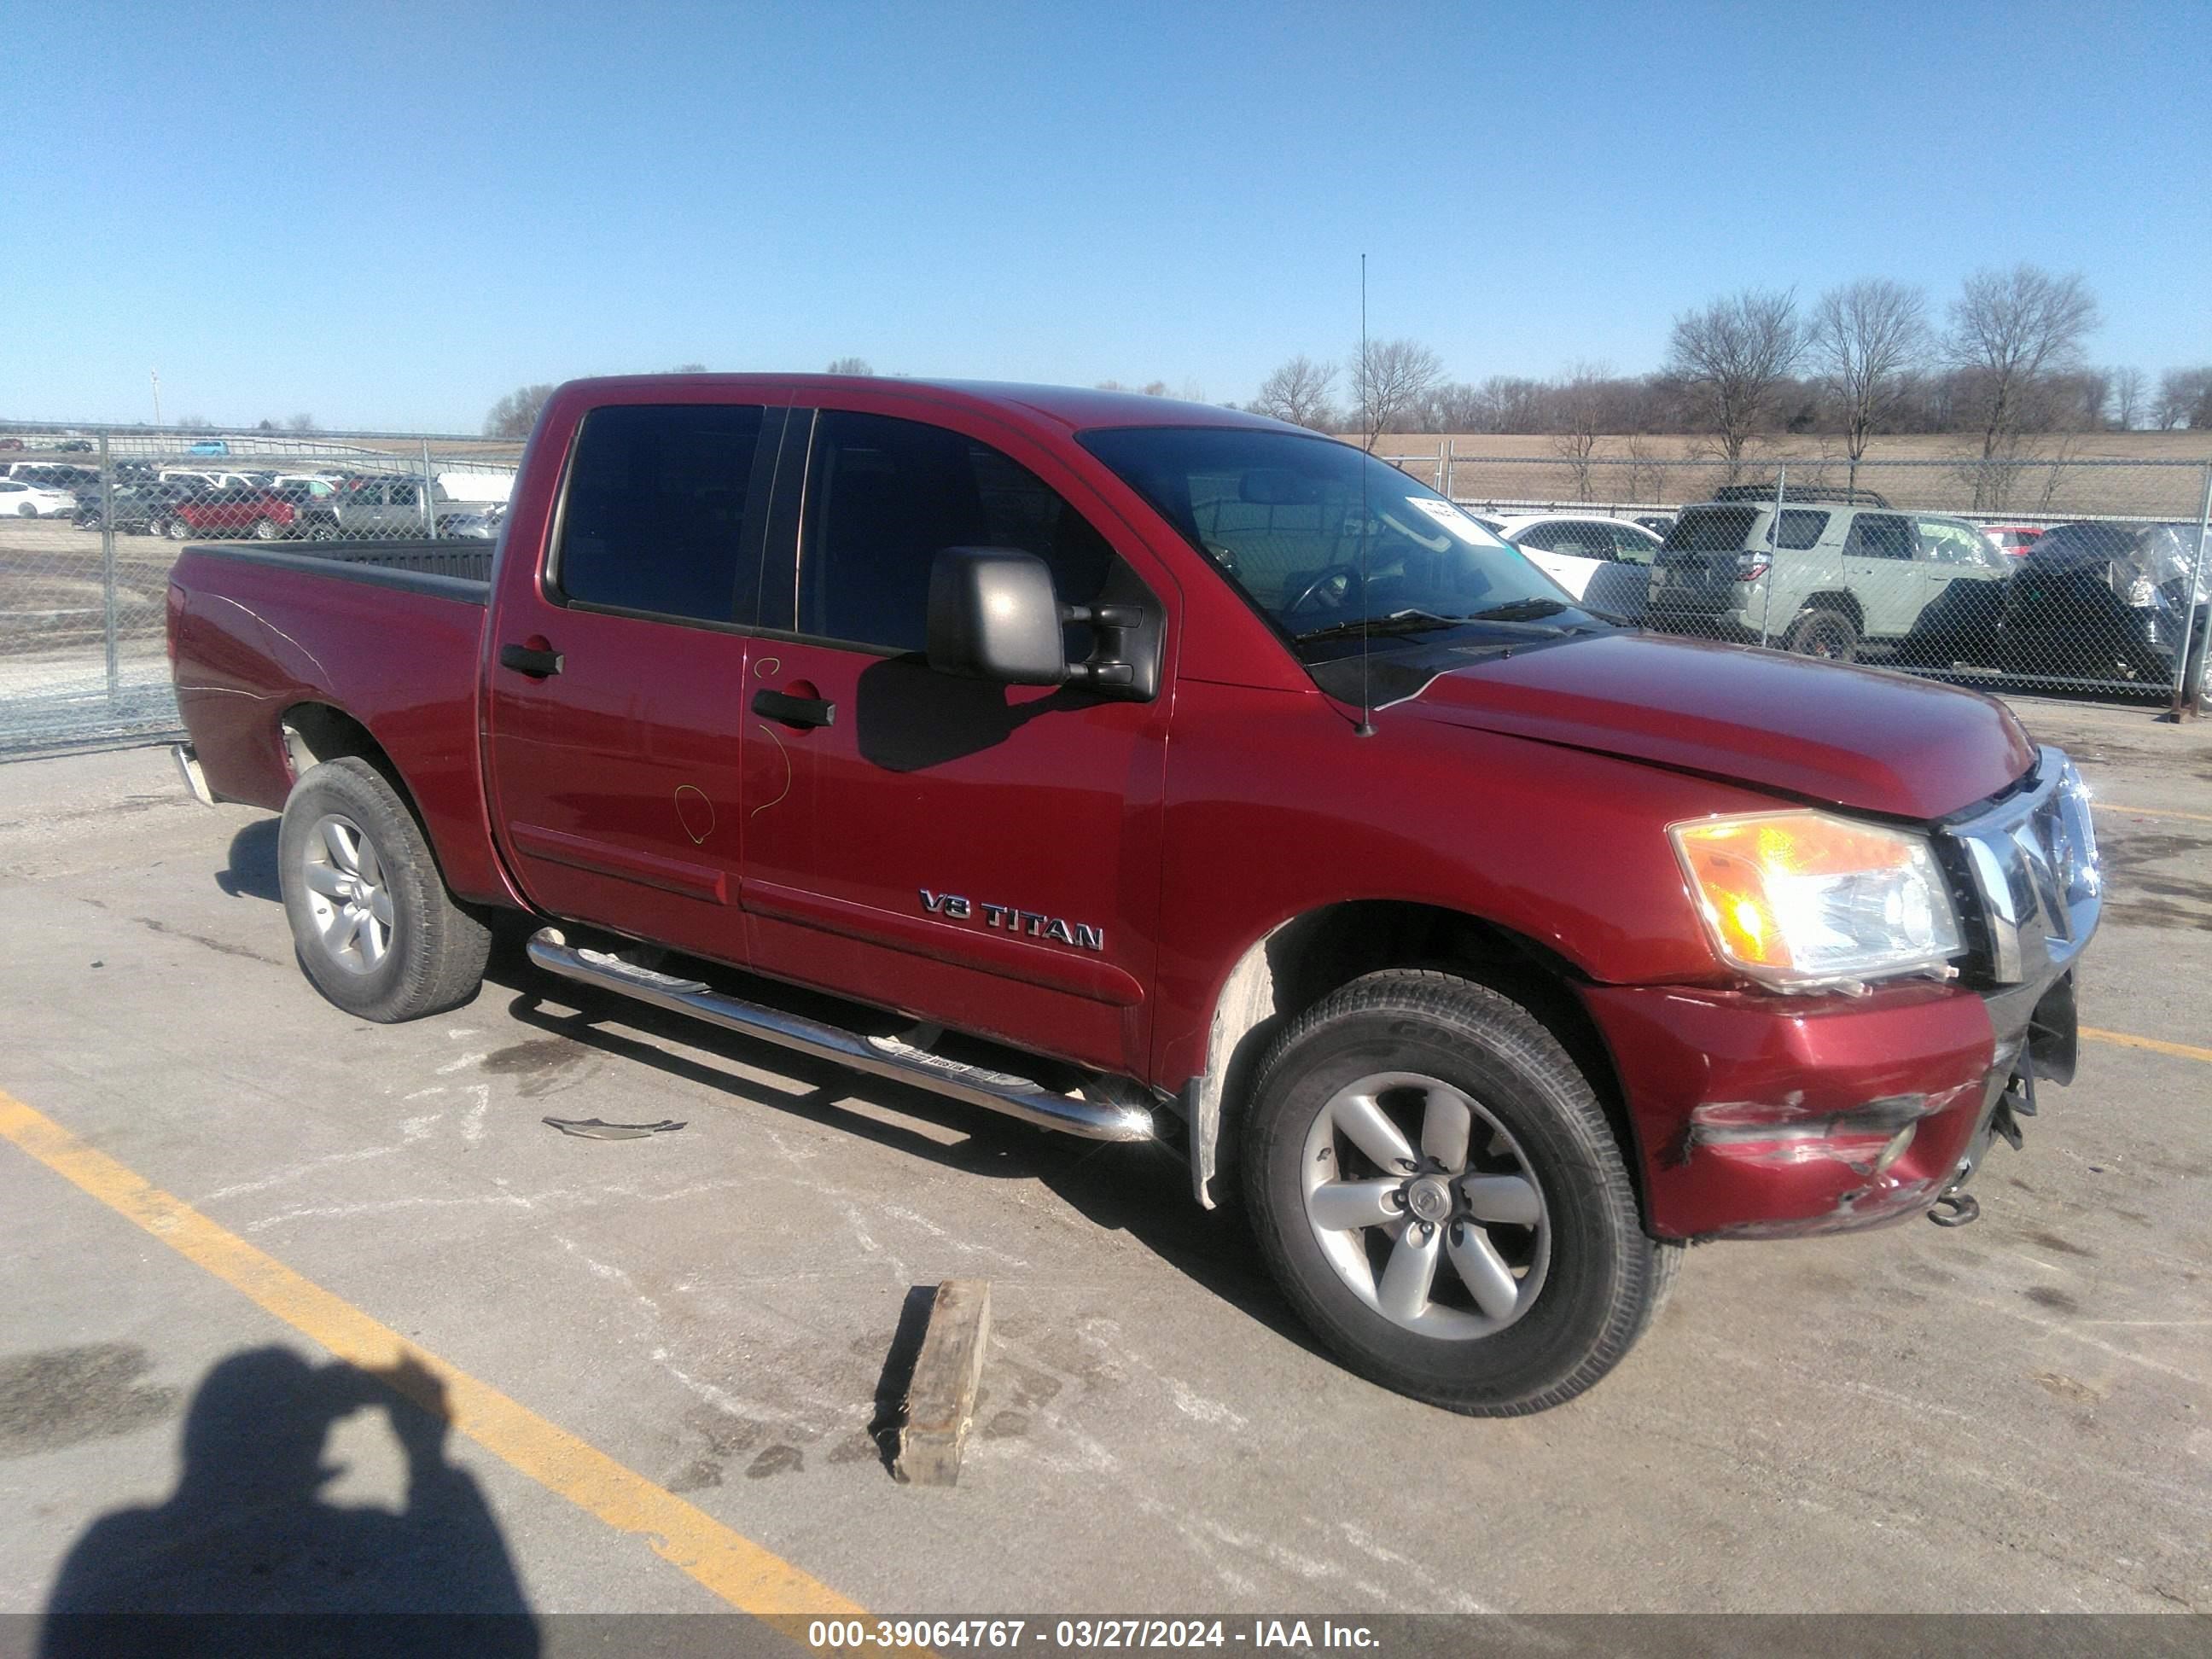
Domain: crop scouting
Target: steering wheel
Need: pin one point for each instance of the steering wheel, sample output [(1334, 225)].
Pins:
[(1352, 580)]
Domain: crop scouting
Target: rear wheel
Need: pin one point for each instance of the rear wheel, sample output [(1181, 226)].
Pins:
[(264, 530), (1828, 634), (27, 511), (178, 531), (1437, 1190), (374, 926)]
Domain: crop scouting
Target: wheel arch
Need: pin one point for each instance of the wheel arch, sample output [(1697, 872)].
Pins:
[(1841, 599), (313, 732), (1307, 957)]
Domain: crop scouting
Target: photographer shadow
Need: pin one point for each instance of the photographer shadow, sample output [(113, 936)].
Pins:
[(247, 1533)]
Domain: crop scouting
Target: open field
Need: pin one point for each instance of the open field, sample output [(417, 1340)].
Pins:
[(2155, 475)]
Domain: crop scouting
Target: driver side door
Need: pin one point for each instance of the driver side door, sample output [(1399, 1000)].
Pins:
[(978, 856)]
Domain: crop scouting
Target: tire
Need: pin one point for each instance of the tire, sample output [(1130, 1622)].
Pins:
[(264, 530), (409, 950), (1826, 634), (177, 531), (321, 529), (27, 511), (1557, 1212)]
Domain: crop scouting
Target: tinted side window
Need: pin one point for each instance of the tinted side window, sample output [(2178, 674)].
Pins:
[(885, 495), (1801, 528), (1881, 536), (655, 513)]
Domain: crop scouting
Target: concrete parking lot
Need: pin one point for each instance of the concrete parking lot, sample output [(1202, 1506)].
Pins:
[(2016, 1415)]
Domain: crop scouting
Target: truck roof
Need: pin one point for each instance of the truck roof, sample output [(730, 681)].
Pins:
[(1075, 408)]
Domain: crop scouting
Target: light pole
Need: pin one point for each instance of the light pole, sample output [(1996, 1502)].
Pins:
[(156, 373)]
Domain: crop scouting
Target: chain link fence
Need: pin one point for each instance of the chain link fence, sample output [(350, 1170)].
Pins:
[(91, 520), (2051, 575), (2055, 574)]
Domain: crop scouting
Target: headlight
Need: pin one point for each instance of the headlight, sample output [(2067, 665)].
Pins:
[(1801, 901)]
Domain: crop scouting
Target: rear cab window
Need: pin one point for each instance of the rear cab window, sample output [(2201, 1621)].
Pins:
[(654, 513)]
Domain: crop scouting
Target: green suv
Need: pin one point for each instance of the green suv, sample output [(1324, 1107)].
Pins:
[(1830, 572)]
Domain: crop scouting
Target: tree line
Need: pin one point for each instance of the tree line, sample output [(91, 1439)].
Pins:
[(2004, 361)]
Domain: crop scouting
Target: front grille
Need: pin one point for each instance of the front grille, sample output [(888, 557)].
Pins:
[(2030, 865)]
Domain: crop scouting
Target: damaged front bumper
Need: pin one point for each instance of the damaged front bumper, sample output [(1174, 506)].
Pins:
[(1759, 1116)]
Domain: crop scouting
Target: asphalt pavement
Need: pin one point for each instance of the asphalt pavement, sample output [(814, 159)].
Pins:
[(2012, 1416)]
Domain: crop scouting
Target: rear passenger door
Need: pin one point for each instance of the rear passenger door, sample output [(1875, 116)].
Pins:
[(1883, 568), (618, 679), (978, 856)]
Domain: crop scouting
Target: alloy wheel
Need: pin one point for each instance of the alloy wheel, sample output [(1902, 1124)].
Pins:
[(348, 897), (1425, 1206)]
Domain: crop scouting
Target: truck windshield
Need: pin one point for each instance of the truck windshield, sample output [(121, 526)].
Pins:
[(1319, 536)]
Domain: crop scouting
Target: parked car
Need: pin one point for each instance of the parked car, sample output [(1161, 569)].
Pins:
[(74, 446), (138, 509), (260, 514), (2104, 601), (200, 478), (11, 443), (2014, 538), (1823, 580), (1157, 772), (376, 508), (1657, 523), (56, 475), (1605, 560), (30, 500)]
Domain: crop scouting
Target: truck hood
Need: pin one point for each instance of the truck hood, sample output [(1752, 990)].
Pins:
[(1852, 737)]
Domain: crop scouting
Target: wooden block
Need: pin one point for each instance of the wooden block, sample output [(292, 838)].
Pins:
[(940, 1397)]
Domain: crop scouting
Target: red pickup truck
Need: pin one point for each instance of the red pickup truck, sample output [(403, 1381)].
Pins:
[(1152, 771)]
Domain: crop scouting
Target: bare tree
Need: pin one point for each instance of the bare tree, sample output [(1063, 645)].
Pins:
[(2009, 330), (2185, 399), (1390, 379), (688, 369), (1156, 388), (301, 423), (1581, 406), (1865, 338), (2130, 397), (1302, 392), (1510, 403), (512, 416), (848, 366), (1731, 357)]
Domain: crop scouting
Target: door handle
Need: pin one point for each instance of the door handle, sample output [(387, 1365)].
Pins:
[(794, 711), (525, 660)]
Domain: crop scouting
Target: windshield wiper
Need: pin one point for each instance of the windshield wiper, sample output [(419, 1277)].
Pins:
[(1520, 610), (1409, 621)]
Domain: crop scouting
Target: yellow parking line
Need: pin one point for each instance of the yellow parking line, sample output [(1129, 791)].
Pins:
[(2156, 1045), (749, 1578), (2152, 811)]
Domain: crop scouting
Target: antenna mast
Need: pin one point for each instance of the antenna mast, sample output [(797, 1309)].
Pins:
[(1366, 726)]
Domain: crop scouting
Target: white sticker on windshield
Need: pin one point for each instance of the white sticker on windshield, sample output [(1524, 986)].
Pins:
[(1451, 519)]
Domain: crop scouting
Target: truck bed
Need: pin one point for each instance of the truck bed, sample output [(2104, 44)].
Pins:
[(387, 634)]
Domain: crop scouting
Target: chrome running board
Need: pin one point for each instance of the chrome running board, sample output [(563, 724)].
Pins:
[(888, 1057)]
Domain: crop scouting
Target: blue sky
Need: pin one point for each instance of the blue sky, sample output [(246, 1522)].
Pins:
[(393, 214)]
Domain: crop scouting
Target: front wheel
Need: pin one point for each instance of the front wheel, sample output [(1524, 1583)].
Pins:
[(264, 530), (1437, 1190), (374, 926), (179, 531)]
